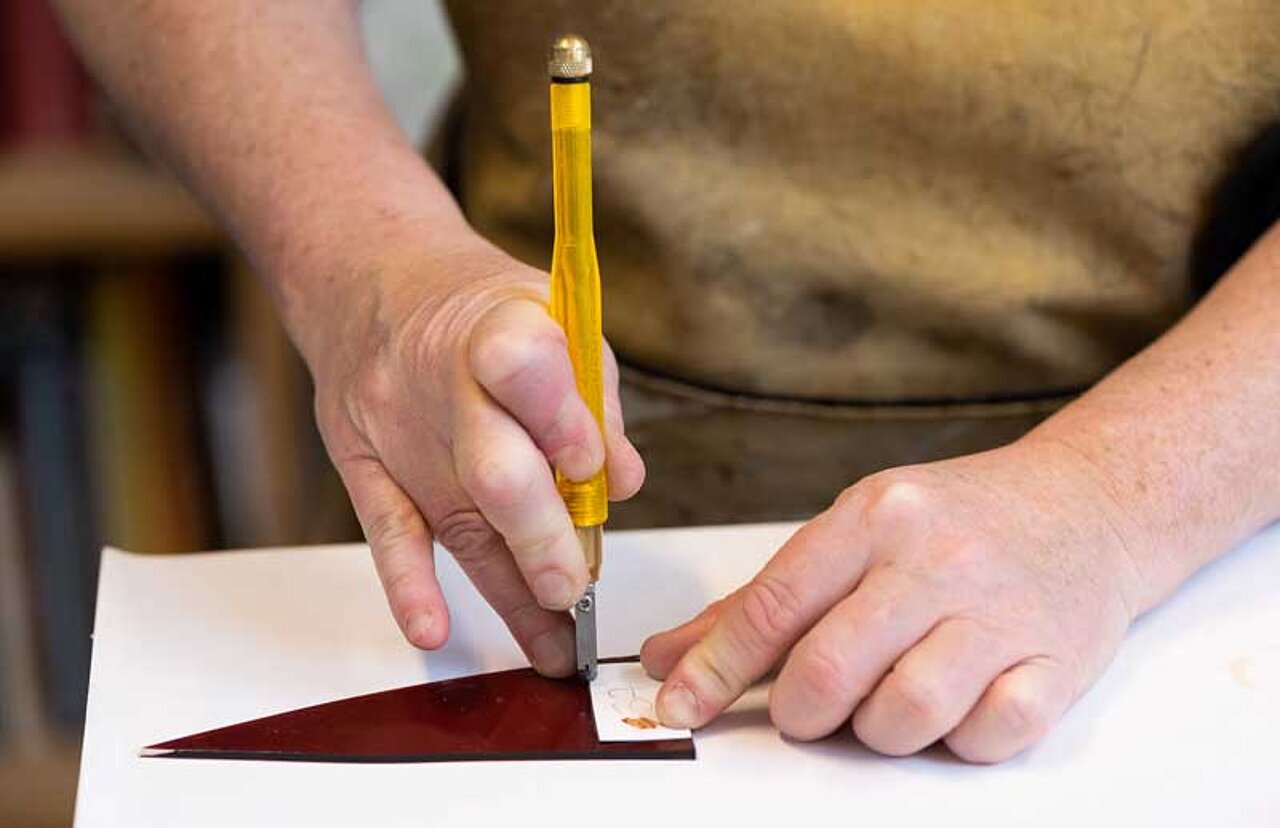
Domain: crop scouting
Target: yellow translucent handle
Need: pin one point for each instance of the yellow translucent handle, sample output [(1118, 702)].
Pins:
[(575, 278)]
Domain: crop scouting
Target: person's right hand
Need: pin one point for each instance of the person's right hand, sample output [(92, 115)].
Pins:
[(445, 396)]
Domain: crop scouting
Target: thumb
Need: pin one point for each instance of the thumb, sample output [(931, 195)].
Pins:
[(756, 626), (519, 356)]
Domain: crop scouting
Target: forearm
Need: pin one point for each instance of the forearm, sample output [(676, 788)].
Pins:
[(1185, 437), (269, 112)]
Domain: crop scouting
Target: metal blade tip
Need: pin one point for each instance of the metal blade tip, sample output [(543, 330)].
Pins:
[(585, 633)]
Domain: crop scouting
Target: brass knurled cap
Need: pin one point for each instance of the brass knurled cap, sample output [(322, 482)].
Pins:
[(570, 58)]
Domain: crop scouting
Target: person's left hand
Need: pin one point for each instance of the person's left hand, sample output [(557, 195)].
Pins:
[(971, 600)]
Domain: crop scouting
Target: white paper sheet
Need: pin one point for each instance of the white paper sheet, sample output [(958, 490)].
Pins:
[(1181, 730), (622, 699)]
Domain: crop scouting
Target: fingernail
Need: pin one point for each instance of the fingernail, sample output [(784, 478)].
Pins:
[(552, 653), (576, 463), (677, 707), (419, 627), (554, 591)]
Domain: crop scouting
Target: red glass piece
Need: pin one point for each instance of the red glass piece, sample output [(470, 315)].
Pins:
[(510, 715)]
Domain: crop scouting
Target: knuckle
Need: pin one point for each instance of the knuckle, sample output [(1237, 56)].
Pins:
[(375, 388), (341, 437), (505, 356), (884, 607), (821, 673), (393, 526), (769, 607), (356, 411), (1020, 714), (571, 425), (494, 480), (466, 534), (960, 557), (895, 499), (918, 697), (542, 551), (720, 681), (852, 498)]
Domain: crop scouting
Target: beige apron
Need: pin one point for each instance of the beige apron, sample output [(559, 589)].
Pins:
[(839, 236)]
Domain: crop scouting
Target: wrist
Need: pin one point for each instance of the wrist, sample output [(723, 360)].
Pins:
[(316, 226), (404, 282), (1108, 519), (326, 281)]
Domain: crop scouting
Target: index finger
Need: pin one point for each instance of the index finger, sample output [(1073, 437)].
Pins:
[(819, 565), (511, 485)]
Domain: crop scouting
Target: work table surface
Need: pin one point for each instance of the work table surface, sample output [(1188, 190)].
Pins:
[(1184, 729)]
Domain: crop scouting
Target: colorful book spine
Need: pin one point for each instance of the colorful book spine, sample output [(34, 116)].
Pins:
[(46, 95)]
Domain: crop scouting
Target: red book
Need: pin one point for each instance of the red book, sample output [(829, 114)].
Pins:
[(47, 90), (6, 105)]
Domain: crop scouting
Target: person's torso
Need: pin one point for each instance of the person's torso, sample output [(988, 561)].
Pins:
[(876, 201)]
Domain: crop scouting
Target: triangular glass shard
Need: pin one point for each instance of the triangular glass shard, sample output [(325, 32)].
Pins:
[(509, 715)]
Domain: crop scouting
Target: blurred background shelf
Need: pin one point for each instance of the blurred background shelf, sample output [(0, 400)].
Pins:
[(63, 202), (149, 397), (145, 385)]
